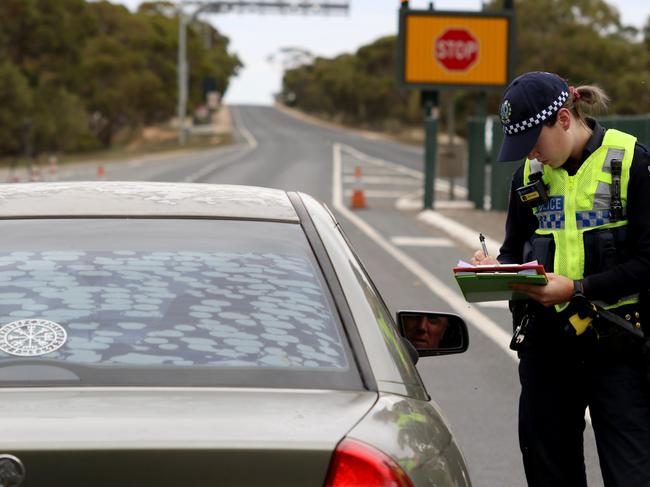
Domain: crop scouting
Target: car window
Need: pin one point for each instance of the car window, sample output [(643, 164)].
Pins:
[(147, 300), (387, 326)]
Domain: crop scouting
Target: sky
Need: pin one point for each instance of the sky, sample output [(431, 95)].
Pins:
[(257, 37)]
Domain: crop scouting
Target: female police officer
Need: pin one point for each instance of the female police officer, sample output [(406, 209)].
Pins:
[(581, 206)]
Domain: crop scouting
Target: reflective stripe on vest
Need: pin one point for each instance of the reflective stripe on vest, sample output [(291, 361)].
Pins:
[(599, 215), (581, 202)]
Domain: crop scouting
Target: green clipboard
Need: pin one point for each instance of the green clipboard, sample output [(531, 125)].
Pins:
[(492, 283)]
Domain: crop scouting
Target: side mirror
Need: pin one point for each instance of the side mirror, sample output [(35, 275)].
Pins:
[(433, 333)]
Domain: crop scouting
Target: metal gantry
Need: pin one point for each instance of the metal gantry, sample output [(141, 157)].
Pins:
[(270, 6), (196, 7)]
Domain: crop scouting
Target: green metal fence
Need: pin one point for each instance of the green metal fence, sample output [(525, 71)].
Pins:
[(478, 158), (481, 164), (637, 125)]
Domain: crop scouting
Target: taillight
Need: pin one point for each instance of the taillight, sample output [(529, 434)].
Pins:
[(357, 464)]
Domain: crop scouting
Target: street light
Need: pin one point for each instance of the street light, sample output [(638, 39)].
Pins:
[(182, 74), (316, 7)]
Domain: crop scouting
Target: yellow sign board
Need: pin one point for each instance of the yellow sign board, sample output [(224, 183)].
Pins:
[(451, 49)]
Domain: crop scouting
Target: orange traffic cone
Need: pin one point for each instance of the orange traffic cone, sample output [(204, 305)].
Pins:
[(101, 172), (358, 197)]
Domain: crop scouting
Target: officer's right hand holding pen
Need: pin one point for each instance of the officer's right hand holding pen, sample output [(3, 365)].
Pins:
[(481, 257), (558, 290)]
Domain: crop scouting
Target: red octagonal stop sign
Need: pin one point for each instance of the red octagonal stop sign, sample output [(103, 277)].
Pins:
[(456, 49)]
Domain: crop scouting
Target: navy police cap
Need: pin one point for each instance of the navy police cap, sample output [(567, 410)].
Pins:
[(528, 102)]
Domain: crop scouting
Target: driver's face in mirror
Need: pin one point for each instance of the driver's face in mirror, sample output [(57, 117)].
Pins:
[(425, 331)]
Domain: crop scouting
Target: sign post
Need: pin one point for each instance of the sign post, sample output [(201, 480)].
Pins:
[(444, 50), (429, 102)]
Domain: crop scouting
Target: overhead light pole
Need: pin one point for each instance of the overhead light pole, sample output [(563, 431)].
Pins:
[(182, 74), (315, 7)]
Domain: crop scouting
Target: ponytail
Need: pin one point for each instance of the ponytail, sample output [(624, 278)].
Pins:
[(587, 100)]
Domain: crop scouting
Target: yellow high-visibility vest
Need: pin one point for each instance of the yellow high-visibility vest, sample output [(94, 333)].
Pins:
[(581, 203)]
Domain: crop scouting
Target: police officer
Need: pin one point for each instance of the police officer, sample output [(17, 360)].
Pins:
[(580, 205)]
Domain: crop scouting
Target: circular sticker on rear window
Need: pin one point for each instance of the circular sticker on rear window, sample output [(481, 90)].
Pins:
[(32, 337)]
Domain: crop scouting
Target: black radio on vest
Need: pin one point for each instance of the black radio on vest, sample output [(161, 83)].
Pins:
[(535, 193), (615, 206)]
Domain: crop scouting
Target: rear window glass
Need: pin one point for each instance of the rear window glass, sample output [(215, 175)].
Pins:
[(166, 302)]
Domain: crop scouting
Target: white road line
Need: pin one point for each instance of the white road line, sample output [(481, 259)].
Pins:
[(370, 170), (383, 180), (421, 242), (440, 184), (411, 201), (372, 193), (481, 322), (467, 236), (252, 141), (210, 168), (457, 231), (454, 204), (414, 202), (382, 163), (495, 304)]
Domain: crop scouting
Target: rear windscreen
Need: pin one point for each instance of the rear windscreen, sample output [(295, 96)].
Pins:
[(166, 302)]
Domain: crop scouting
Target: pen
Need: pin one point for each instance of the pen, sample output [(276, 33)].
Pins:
[(482, 239)]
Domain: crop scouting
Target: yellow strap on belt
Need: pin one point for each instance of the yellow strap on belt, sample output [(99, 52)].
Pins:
[(580, 324)]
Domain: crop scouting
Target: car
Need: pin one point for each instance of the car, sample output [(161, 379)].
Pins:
[(195, 334)]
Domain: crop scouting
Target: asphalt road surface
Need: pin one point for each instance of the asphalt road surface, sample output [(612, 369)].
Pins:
[(409, 260)]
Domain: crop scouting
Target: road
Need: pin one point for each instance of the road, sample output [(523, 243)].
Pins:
[(409, 260)]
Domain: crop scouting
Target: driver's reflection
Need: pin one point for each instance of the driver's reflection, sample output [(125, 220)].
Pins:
[(425, 331)]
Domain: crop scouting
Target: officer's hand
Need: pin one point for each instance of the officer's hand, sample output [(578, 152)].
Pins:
[(559, 289), (480, 259)]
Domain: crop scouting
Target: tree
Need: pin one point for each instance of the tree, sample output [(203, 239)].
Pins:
[(130, 66), (86, 70), (582, 40), (16, 101), (61, 122), (359, 88)]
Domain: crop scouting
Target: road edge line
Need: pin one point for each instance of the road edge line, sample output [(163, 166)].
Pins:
[(250, 138)]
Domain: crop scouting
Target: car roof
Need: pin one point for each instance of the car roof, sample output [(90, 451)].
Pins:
[(144, 199)]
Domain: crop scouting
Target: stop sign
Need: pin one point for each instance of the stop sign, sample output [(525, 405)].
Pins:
[(456, 49)]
